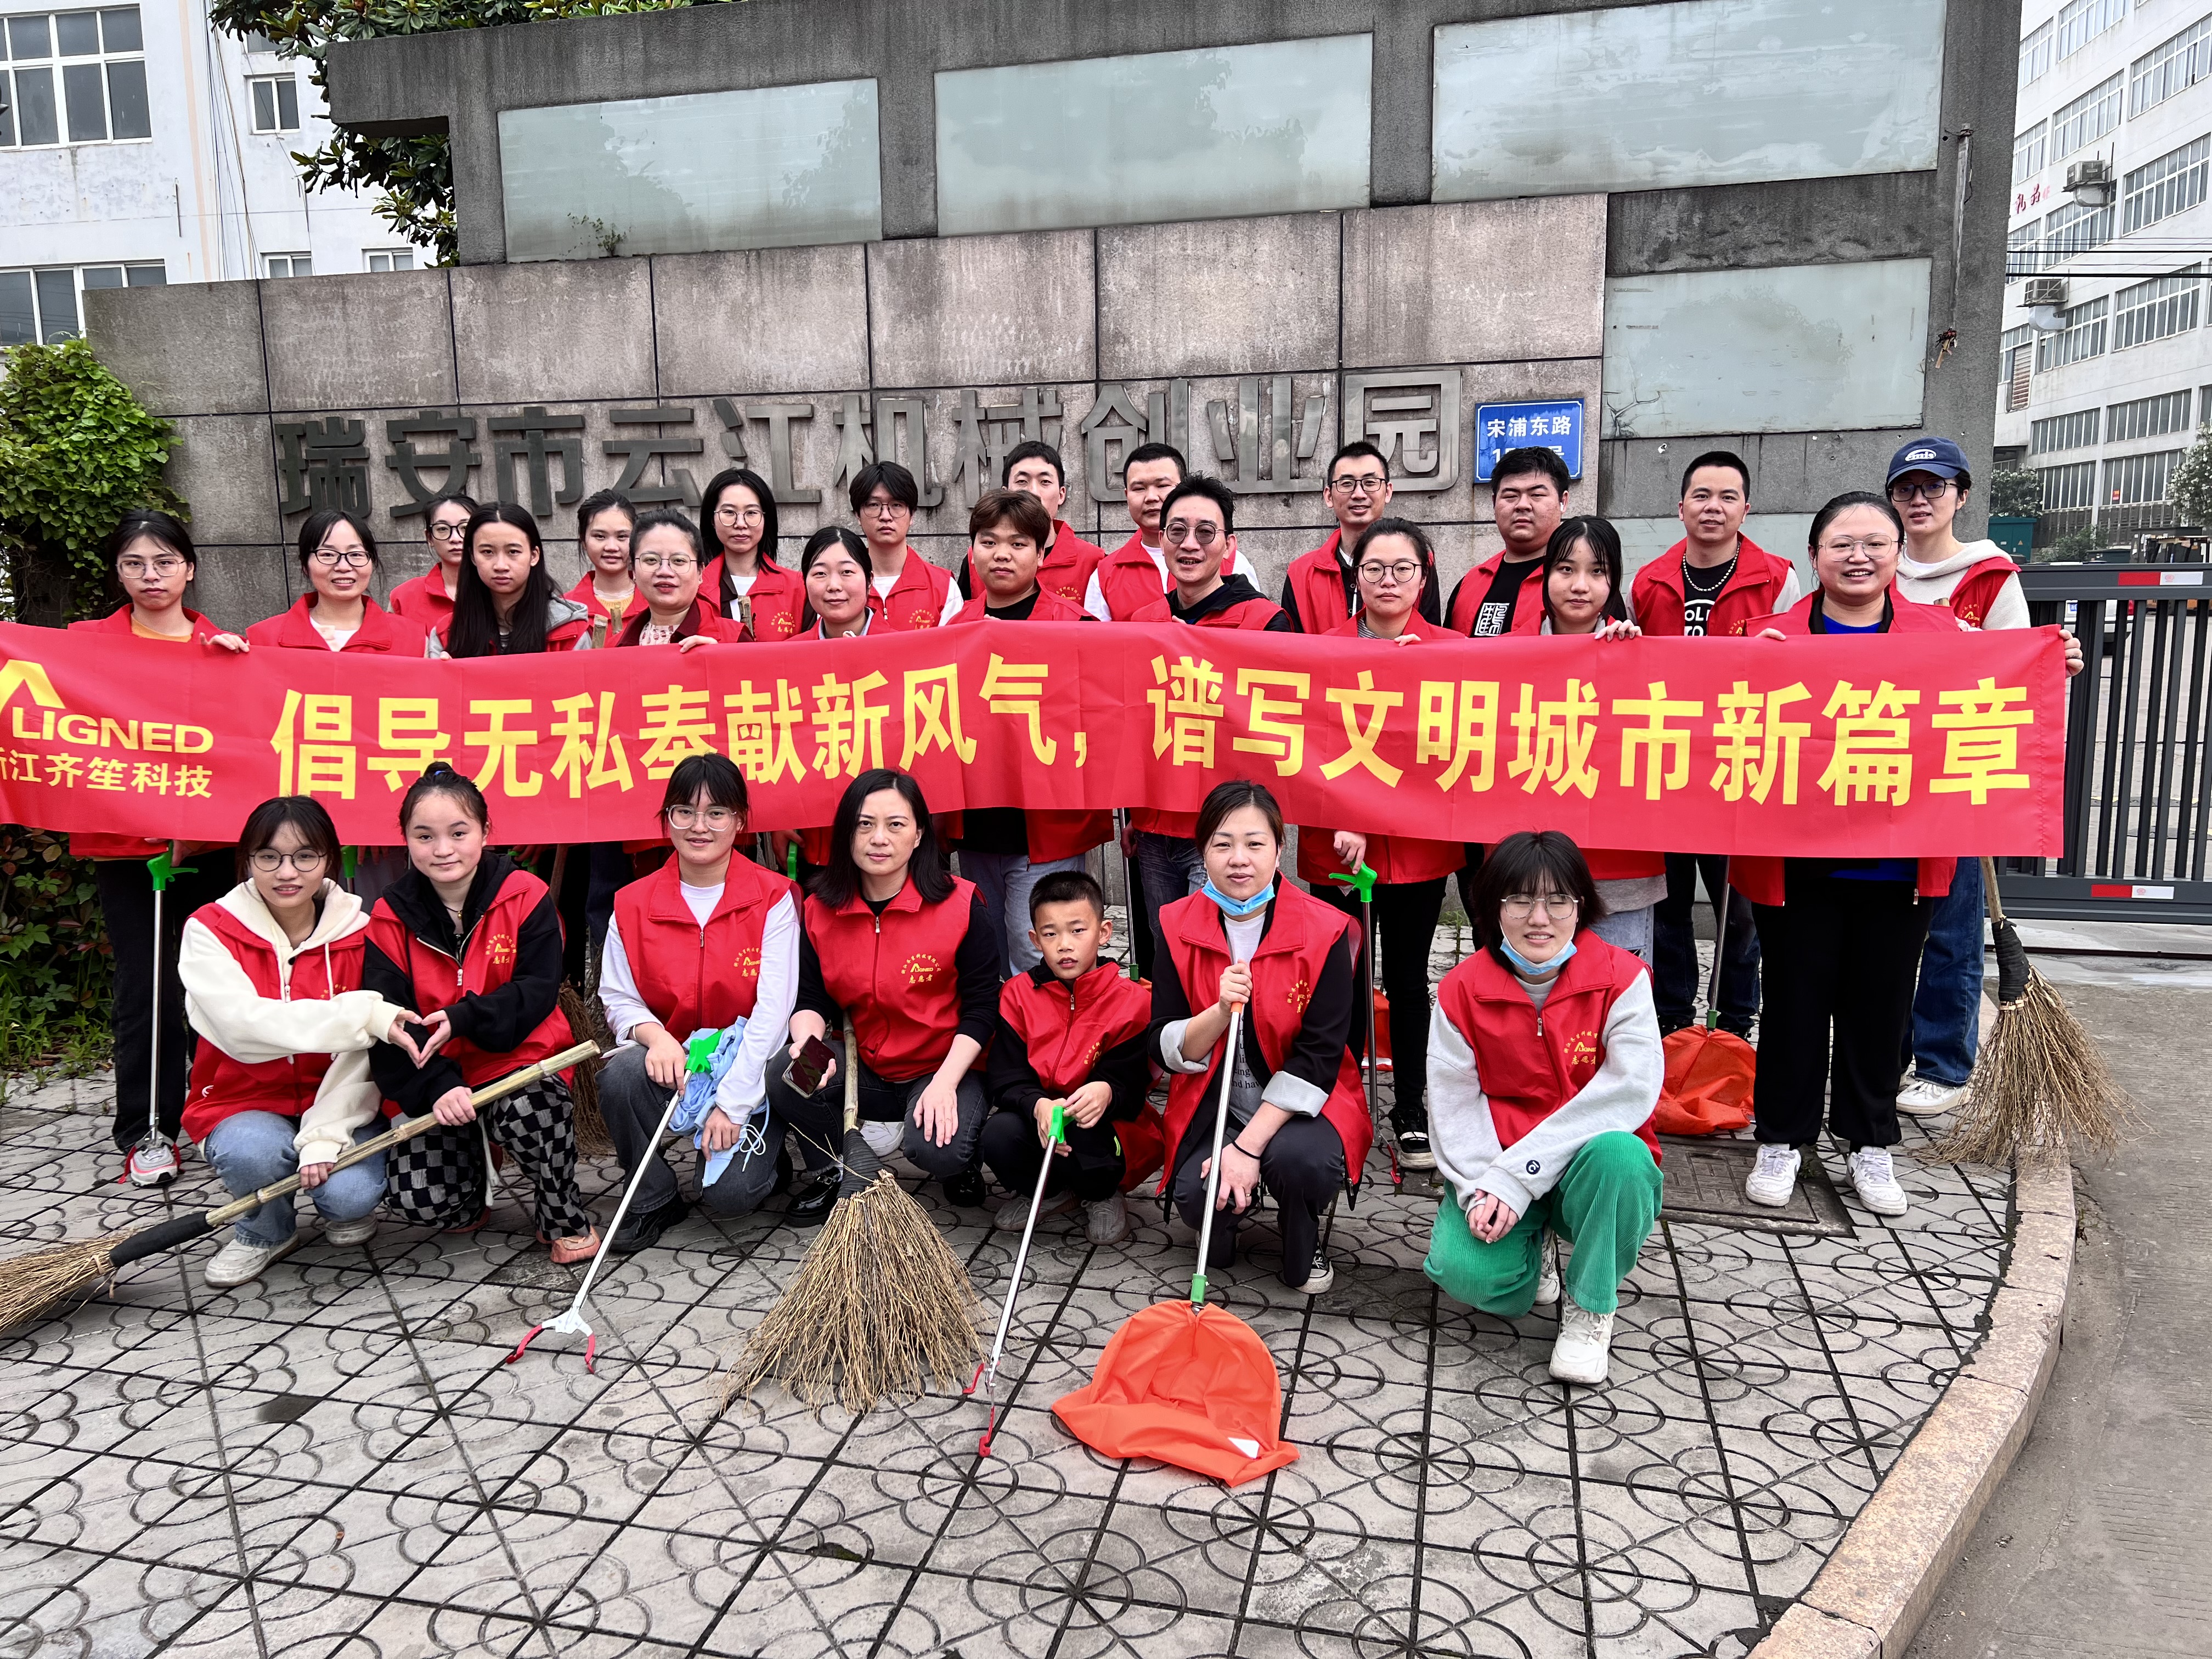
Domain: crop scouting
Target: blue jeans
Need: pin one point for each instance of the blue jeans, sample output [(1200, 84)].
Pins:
[(1005, 880), (1170, 868), (251, 1149), (1947, 1010)]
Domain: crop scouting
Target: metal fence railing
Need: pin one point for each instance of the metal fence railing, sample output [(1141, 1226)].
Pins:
[(2138, 803)]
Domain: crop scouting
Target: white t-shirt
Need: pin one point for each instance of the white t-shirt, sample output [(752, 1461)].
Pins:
[(336, 638), (883, 584), (1094, 596), (1934, 584)]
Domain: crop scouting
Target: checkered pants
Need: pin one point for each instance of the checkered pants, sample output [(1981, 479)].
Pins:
[(439, 1177)]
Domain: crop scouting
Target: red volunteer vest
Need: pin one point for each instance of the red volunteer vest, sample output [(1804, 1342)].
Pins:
[(1065, 573), (1753, 589), (1533, 1063), (777, 601), (1286, 967), (693, 976), (487, 962), (1978, 588), (1527, 605), (916, 600), (222, 1086), (1253, 615), (93, 845), (1130, 581), (895, 975), (424, 599), (561, 637), (1052, 835), (1316, 582), (380, 631), (1394, 858), (1065, 1028)]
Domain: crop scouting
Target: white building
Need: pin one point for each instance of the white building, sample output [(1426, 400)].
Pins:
[(2104, 398), (138, 147)]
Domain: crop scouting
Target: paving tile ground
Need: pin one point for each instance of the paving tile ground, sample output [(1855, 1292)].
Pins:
[(338, 1462)]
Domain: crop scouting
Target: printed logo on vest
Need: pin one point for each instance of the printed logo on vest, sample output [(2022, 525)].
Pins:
[(1582, 1049), (920, 968), (501, 949), (1300, 997), (921, 619), (747, 963)]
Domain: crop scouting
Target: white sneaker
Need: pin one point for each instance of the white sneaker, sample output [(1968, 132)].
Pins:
[(1773, 1181), (1875, 1177), (358, 1232), (882, 1138), (153, 1162), (1014, 1214), (1320, 1277), (1106, 1220), (1922, 1096), (1547, 1273), (240, 1263), (1584, 1345)]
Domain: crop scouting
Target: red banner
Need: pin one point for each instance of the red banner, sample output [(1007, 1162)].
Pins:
[(1861, 746)]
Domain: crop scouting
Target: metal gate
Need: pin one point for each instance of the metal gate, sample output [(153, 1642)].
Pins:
[(2138, 804)]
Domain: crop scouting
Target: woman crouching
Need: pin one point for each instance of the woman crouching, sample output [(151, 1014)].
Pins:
[(1544, 1067), (473, 945)]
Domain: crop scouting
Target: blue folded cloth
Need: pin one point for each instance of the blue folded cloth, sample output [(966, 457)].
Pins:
[(699, 1090)]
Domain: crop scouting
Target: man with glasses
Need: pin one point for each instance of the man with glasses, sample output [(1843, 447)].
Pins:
[(1711, 582), (429, 599), (1980, 584), (1320, 590), (905, 592), (1198, 528)]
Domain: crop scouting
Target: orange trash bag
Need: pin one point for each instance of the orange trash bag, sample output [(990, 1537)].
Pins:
[(1144, 1140), (1181, 1381), (1708, 1087)]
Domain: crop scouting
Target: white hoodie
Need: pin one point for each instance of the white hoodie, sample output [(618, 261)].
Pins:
[(1932, 584), (225, 1009)]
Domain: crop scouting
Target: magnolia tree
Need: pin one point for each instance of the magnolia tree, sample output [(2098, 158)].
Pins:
[(2190, 490)]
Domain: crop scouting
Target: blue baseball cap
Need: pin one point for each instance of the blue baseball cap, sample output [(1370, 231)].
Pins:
[(1937, 455)]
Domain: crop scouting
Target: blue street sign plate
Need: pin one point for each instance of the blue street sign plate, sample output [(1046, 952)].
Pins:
[(1554, 425)]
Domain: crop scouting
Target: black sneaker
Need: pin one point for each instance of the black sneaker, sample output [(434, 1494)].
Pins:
[(641, 1229), (1321, 1276), (1413, 1152), (966, 1189), (813, 1195)]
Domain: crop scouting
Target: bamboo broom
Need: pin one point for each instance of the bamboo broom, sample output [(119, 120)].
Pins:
[(879, 1306), (30, 1285), (2039, 1079)]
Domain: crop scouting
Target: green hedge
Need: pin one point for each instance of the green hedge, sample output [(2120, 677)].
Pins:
[(55, 969)]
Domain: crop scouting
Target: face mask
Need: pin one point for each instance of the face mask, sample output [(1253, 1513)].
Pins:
[(1237, 909), (1536, 970)]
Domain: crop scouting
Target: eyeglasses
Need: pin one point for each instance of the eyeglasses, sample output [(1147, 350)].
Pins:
[(747, 514), (149, 567), (268, 863), (667, 562), (1876, 545), (1902, 493), (887, 509), (332, 557), (715, 817), (448, 532), (1181, 531), (1366, 485), (1401, 573), (1521, 906)]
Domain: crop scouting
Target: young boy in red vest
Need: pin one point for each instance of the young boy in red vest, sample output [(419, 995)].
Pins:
[(1071, 1035)]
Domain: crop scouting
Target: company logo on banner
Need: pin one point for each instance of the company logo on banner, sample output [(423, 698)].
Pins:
[(1556, 427), (1840, 748)]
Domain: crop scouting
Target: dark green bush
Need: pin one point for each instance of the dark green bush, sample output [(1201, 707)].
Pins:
[(55, 966)]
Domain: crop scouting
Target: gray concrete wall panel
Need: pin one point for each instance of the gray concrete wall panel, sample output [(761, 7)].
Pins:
[(333, 337), (1789, 470), (782, 319), (193, 349), (983, 310), (1220, 296), (1474, 281), (1883, 215), (555, 331)]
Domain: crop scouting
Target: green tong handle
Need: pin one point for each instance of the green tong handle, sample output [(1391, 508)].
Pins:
[(791, 862), (163, 869), (699, 1053), (1058, 1125), (1361, 881)]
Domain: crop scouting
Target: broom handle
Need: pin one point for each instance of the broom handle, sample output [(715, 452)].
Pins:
[(1720, 948), (852, 1080), (406, 1129), (1213, 1174), (1990, 887)]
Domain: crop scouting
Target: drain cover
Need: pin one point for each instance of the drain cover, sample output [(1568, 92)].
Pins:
[(1705, 1183)]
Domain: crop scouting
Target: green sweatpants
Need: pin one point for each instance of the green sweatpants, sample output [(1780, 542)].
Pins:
[(1605, 1205)]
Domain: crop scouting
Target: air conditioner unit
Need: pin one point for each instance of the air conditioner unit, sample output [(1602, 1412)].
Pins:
[(2096, 172), (2045, 291)]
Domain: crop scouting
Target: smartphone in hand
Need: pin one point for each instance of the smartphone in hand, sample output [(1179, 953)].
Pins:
[(805, 1073)]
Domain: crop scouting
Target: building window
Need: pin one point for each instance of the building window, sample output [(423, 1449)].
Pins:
[(2081, 22), (2132, 479), (2018, 351), (2073, 229), (397, 258), (275, 103), (2174, 65), (2028, 149), (2082, 336), (2087, 119), (300, 265), (2035, 54), (42, 307), (2171, 185), (2163, 307), (77, 77), (2066, 488), (2074, 431), (2147, 417), (2020, 257)]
